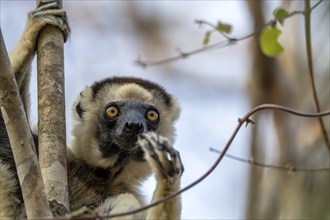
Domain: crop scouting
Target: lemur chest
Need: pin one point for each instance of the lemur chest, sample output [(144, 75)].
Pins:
[(91, 186), (87, 187)]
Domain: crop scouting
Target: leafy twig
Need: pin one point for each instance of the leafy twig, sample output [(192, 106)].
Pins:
[(215, 29), (219, 45)]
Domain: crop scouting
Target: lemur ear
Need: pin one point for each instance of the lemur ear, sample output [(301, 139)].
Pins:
[(79, 110)]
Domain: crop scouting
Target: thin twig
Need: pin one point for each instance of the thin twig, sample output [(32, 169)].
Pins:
[(245, 119), (288, 167), (317, 4), (182, 55), (311, 70)]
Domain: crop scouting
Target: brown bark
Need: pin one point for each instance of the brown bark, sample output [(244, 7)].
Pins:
[(21, 141), (51, 116)]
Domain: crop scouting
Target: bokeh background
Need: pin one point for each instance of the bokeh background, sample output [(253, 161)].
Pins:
[(214, 89)]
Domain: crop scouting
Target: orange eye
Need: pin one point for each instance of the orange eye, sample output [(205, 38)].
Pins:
[(112, 111), (152, 115)]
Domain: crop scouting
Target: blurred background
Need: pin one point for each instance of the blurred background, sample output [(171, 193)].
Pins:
[(214, 89)]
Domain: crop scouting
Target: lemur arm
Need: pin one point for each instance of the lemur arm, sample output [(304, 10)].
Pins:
[(22, 55), (166, 163)]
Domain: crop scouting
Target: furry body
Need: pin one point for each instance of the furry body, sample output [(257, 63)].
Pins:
[(123, 133)]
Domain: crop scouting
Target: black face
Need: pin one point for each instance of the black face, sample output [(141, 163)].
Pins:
[(122, 122)]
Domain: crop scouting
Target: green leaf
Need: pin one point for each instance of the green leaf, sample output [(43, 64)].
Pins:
[(207, 38), (225, 28), (280, 15), (269, 42)]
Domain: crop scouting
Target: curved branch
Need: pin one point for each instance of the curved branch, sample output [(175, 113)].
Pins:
[(310, 68)]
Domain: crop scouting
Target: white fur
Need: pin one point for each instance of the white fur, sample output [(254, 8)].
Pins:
[(122, 203)]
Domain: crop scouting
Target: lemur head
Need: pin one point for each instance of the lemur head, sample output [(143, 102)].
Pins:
[(110, 114)]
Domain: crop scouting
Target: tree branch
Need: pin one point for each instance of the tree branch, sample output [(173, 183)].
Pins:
[(310, 68), (21, 141), (51, 116)]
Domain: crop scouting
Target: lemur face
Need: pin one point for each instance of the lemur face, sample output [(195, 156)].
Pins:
[(110, 114), (122, 121)]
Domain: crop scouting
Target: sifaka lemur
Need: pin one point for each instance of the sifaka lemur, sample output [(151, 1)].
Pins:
[(123, 132)]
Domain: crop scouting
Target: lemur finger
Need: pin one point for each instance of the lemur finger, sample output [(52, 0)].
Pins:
[(178, 164), (175, 159), (56, 17), (46, 6), (149, 151), (51, 8), (160, 149), (54, 12), (167, 156), (166, 145), (163, 150), (52, 20)]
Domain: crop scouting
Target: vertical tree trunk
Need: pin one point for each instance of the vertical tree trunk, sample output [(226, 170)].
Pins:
[(51, 117), (21, 141)]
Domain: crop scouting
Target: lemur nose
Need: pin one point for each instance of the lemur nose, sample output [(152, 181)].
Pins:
[(134, 127)]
